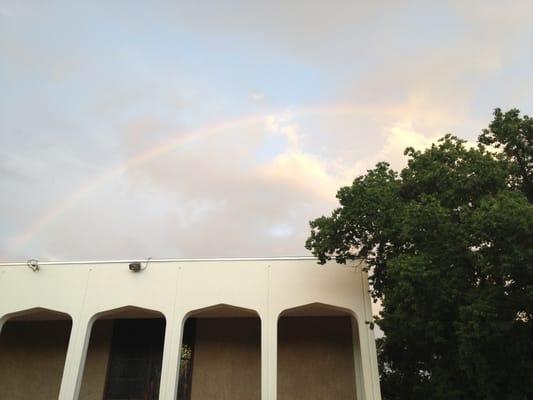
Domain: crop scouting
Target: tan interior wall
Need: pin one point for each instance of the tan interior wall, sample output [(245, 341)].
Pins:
[(32, 357), (94, 374), (315, 359), (227, 359)]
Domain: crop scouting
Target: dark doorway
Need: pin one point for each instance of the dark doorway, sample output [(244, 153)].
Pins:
[(134, 368), (186, 359)]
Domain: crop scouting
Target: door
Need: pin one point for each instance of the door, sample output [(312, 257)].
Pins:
[(134, 368)]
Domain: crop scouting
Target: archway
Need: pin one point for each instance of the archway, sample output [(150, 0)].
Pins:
[(33, 348), (124, 355), (221, 354), (316, 353)]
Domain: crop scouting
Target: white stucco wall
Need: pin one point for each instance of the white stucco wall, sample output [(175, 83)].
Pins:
[(177, 288)]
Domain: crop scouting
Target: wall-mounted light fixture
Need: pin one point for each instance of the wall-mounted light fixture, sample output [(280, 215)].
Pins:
[(136, 266), (33, 264)]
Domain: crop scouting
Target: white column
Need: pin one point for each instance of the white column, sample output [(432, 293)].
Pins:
[(358, 365), (3, 320), (271, 353), (368, 345), (75, 359), (264, 357), (369, 363), (171, 357)]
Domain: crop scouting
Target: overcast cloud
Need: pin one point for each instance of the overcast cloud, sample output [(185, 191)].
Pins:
[(212, 129)]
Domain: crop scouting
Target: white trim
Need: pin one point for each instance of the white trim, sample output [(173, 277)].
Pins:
[(163, 260)]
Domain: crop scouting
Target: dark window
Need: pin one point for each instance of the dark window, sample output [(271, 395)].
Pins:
[(186, 360), (134, 368)]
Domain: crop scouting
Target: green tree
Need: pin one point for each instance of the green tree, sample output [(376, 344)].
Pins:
[(514, 135), (449, 244)]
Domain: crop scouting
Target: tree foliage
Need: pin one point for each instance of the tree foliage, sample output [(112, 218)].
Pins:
[(514, 135), (449, 243)]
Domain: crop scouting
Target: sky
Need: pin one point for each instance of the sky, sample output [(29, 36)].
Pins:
[(159, 129)]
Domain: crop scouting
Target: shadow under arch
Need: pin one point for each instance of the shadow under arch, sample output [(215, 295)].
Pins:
[(123, 358), (220, 353), (221, 310), (127, 312), (34, 314), (33, 350), (319, 353), (317, 309)]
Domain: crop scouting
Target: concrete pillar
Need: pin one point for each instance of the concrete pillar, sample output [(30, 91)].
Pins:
[(358, 364), (271, 357), (264, 357), (75, 359), (171, 357), (369, 363), (3, 320), (368, 345)]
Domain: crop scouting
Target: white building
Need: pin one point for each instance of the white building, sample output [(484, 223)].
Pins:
[(221, 329)]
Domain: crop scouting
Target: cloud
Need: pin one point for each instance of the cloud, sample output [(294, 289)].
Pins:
[(281, 230), (258, 97), (373, 78), (278, 125), (212, 196), (207, 197), (302, 172), (399, 138)]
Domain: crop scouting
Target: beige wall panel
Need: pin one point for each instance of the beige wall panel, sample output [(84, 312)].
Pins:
[(315, 359), (32, 357), (94, 374), (227, 359)]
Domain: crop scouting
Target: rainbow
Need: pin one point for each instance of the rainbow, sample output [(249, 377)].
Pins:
[(203, 133)]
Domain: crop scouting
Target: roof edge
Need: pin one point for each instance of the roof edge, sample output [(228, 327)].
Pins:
[(163, 260)]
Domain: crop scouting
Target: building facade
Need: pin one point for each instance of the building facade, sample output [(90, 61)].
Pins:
[(221, 329)]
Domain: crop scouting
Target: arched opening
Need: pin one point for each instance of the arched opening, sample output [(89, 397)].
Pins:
[(316, 353), (124, 355), (220, 355), (33, 348)]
